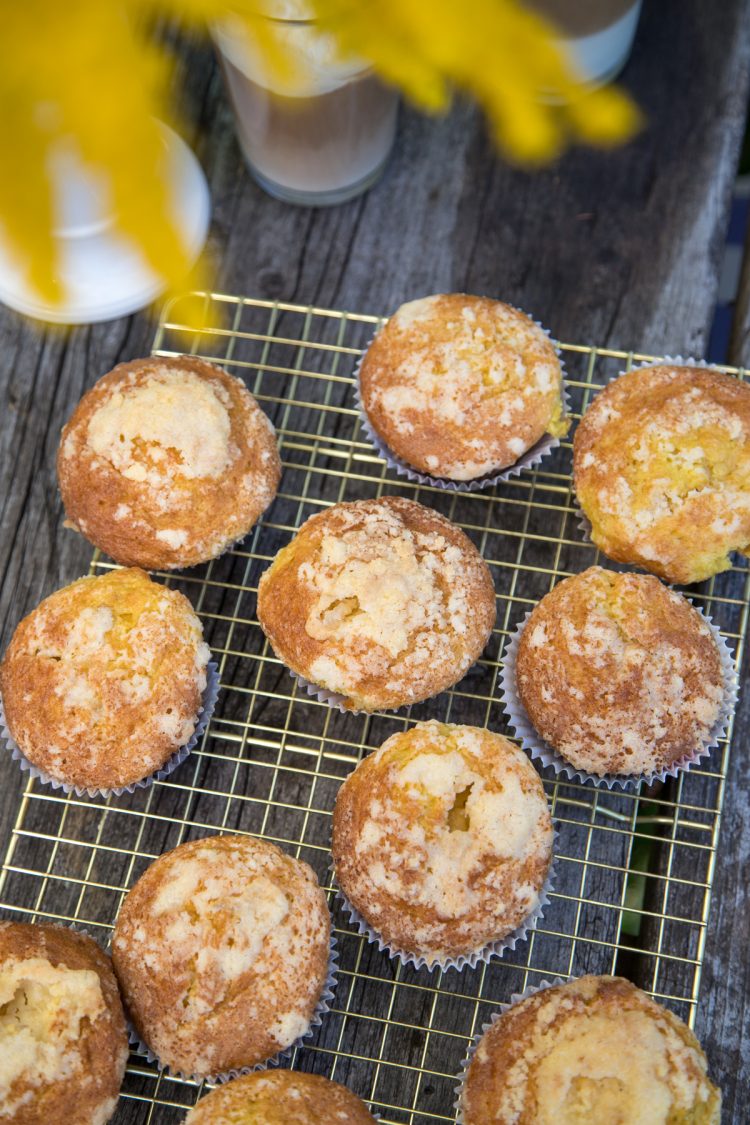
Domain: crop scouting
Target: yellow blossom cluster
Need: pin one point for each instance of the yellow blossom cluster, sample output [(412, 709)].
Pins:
[(84, 76), (500, 52)]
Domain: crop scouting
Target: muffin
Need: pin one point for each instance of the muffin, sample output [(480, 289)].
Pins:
[(63, 1043), (222, 952), (102, 682), (620, 674), (280, 1097), (167, 462), (442, 840), (459, 386), (383, 602), (595, 1051), (661, 466)]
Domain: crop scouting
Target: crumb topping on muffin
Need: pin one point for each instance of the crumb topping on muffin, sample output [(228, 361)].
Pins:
[(442, 839), (378, 581), (595, 1049), (280, 1097), (102, 682), (619, 673), (662, 470), (175, 422), (41, 1010), (63, 1045), (459, 386), (258, 906), (382, 599), (222, 950), (166, 462)]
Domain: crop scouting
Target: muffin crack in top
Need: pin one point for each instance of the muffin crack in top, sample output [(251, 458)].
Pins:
[(174, 426), (42, 1008), (442, 840), (378, 581), (63, 1043), (383, 601)]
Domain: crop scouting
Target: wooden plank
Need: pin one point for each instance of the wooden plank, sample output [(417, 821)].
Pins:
[(619, 248), (725, 992)]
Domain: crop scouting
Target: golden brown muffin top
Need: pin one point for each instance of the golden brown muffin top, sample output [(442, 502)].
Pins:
[(383, 601), (280, 1097), (461, 386), (595, 1051), (619, 673), (166, 462), (221, 949), (63, 1043), (102, 682), (662, 470), (442, 839)]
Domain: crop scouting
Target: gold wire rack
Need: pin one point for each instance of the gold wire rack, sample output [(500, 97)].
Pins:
[(634, 870)]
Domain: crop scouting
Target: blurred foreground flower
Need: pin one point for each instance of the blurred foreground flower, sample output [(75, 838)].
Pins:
[(84, 81), (500, 52)]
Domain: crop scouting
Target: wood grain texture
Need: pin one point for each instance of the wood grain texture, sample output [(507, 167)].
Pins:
[(725, 989), (617, 248)]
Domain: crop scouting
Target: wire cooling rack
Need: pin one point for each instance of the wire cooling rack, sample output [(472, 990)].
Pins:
[(634, 870)]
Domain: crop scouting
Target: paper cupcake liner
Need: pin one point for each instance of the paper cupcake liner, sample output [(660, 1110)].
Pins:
[(479, 956), (528, 460), (321, 1008), (523, 728), (210, 695), (516, 998), (584, 523), (336, 700)]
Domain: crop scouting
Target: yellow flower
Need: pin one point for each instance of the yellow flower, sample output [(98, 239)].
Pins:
[(85, 76), (497, 50)]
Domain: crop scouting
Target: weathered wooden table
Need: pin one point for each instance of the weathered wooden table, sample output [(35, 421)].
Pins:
[(619, 249)]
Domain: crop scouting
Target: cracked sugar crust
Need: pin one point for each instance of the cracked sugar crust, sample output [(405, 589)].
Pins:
[(383, 601), (166, 462), (461, 386), (221, 949), (662, 470), (594, 1050), (103, 681), (280, 1097), (63, 1042), (442, 839), (619, 673)]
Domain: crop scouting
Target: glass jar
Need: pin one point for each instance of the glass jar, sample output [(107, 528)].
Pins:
[(319, 135), (598, 33)]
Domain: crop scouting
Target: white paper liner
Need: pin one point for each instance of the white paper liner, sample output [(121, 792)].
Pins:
[(338, 701), (210, 695), (77, 928), (523, 728), (479, 956), (321, 1008), (546, 444), (584, 523), (516, 998)]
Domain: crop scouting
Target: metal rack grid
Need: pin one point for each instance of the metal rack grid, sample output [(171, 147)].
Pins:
[(634, 870)]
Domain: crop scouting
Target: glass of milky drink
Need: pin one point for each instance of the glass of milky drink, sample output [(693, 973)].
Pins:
[(598, 33), (320, 130)]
